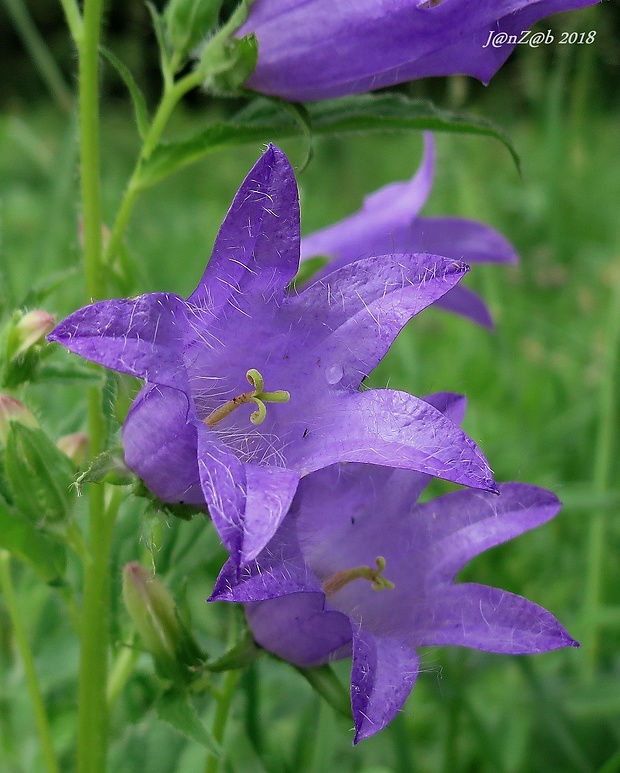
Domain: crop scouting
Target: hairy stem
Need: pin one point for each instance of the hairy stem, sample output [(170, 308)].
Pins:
[(32, 682)]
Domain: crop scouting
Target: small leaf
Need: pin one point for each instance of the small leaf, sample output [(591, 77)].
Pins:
[(40, 551), (39, 474), (109, 395), (174, 708), (325, 682), (162, 42), (241, 655), (139, 103)]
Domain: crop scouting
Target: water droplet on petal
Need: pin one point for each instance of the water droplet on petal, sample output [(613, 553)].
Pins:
[(334, 374)]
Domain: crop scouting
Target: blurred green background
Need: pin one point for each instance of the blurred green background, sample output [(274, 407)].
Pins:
[(542, 392)]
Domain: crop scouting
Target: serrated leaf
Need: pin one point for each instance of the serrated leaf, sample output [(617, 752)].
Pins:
[(325, 682), (39, 474), (139, 103), (267, 121), (174, 708), (44, 554)]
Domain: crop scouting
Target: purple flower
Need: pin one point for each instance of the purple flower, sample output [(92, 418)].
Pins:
[(359, 569), (318, 49), (249, 387), (388, 222)]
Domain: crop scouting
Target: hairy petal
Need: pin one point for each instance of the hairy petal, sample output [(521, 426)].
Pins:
[(457, 238), (142, 336), (383, 673), (490, 619), (394, 429), (257, 248), (160, 445), (358, 310)]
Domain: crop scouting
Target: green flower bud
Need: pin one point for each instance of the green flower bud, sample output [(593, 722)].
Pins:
[(13, 410), (154, 613), (29, 330)]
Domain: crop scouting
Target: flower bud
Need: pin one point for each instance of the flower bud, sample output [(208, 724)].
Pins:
[(74, 446), (13, 410), (29, 330), (154, 613)]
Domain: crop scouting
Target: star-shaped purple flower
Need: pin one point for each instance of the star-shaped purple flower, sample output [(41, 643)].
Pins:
[(389, 222), (359, 569), (249, 386), (318, 49)]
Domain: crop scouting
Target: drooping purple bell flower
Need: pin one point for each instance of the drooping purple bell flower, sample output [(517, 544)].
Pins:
[(389, 222), (359, 569), (250, 386), (318, 49)]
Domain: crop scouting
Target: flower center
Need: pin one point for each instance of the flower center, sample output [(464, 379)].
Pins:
[(257, 395), (377, 582)]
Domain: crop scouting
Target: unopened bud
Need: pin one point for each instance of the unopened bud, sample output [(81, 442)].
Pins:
[(74, 446), (30, 329), (154, 613), (13, 410)]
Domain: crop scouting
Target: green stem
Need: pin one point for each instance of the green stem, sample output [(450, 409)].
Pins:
[(172, 95), (25, 652), (43, 60), (222, 710), (603, 459), (74, 20)]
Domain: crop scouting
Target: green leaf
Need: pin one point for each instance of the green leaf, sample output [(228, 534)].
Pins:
[(188, 22), (325, 682), (241, 655), (139, 103), (267, 120), (174, 708), (162, 41), (109, 395), (40, 551), (39, 474)]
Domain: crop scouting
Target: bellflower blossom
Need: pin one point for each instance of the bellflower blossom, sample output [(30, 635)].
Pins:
[(318, 49), (389, 222), (249, 386), (359, 569)]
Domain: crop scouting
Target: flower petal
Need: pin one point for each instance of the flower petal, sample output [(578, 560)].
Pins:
[(299, 629), (246, 502), (371, 231), (391, 428), (142, 336), (490, 619), (368, 302), (383, 673), (256, 252), (457, 238), (320, 49), (466, 303), (160, 445), (463, 524)]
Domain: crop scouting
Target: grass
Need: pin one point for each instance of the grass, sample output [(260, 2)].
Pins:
[(542, 404)]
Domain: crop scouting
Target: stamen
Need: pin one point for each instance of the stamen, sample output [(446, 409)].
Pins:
[(377, 582), (256, 395)]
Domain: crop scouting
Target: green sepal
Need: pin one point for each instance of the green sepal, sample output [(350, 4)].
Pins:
[(325, 682), (188, 22), (39, 474), (107, 467), (177, 510), (225, 75), (244, 652), (139, 103), (40, 551), (174, 707)]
